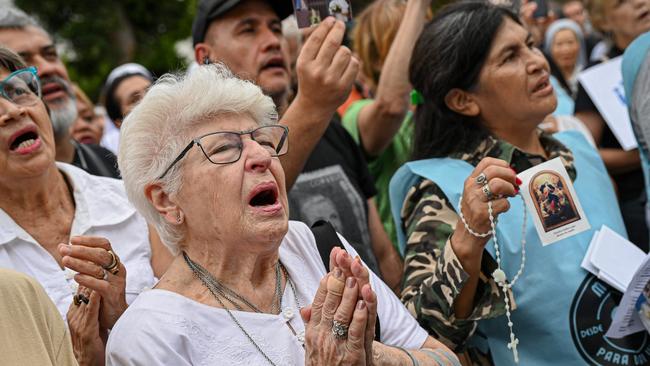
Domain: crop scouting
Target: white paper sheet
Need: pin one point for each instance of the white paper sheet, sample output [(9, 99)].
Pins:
[(626, 319), (586, 261), (617, 257), (604, 84)]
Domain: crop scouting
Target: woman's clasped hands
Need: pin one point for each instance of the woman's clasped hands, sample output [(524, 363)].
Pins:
[(101, 297), (340, 322)]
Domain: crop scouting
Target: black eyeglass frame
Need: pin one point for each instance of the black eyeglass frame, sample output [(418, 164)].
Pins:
[(197, 141)]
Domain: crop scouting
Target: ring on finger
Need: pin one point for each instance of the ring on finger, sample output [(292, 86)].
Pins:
[(105, 277), (488, 193), (339, 330), (114, 266), (481, 179), (79, 298)]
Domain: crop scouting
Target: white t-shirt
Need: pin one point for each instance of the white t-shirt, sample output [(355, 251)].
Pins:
[(164, 328), (101, 209)]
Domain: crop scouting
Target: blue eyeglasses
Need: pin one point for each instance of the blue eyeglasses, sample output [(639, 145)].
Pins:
[(22, 87)]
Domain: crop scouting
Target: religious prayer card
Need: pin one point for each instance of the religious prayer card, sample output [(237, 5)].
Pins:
[(310, 12), (552, 202)]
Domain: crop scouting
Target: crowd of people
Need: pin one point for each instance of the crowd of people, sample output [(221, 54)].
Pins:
[(343, 194)]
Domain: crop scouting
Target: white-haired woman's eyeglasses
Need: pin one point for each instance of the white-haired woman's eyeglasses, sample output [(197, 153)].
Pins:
[(225, 147)]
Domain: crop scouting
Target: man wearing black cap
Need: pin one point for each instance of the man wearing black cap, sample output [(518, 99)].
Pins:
[(246, 35)]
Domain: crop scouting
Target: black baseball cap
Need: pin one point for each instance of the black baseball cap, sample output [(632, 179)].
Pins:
[(209, 10)]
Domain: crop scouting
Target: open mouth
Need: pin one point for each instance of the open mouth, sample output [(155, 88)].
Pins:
[(275, 63), (53, 90), (542, 85), (24, 141), (267, 196)]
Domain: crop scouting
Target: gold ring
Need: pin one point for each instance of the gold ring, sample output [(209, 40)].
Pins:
[(114, 266)]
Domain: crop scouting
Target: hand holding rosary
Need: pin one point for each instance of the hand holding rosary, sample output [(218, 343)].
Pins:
[(499, 275)]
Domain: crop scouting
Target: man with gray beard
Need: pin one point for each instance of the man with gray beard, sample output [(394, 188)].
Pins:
[(22, 34)]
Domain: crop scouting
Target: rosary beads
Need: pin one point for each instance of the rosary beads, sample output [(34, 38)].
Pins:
[(499, 275)]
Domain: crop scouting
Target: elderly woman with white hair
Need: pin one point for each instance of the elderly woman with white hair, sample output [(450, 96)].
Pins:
[(199, 158), (45, 206)]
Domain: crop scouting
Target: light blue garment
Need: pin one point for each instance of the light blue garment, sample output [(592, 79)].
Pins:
[(565, 104), (562, 311), (635, 58)]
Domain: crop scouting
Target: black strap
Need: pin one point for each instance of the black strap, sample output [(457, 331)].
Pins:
[(326, 240), (88, 153)]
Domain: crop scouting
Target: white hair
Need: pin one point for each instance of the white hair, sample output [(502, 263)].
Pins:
[(160, 126)]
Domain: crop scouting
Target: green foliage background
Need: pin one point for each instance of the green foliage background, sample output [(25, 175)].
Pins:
[(104, 34)]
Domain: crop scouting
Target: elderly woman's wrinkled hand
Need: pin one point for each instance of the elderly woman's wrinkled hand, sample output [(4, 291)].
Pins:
[(353, 267), (88, 339), (336, 323), (99, 269)]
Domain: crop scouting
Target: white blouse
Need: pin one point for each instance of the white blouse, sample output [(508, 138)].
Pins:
[(101, 209), (165, 328)]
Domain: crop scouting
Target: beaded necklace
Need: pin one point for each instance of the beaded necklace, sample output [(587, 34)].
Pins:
[(218, 290), (499, 275)]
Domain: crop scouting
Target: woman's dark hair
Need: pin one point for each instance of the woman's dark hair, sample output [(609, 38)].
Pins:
[(10, 60), (450, 53)]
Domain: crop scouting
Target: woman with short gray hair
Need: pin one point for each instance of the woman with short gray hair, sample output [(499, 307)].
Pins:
[(199, 158)]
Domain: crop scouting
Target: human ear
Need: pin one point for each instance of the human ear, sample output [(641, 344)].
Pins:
[(202, 53), (163, 203), (462, 102)]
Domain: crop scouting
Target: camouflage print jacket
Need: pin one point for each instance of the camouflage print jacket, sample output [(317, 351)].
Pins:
[(433, 275)]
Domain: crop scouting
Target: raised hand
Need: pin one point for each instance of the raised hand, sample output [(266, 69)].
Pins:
[(326, 69), (492, 180), (336, 323), (90, 257)]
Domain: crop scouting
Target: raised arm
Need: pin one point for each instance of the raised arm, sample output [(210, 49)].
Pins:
[(380, 120), (326, 71)]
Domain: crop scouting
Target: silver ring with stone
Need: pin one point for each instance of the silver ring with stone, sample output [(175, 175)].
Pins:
[(339, 330), (481, 179), (488, 193)]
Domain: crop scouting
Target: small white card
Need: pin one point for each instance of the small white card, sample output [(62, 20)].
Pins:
[(552, 202)]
